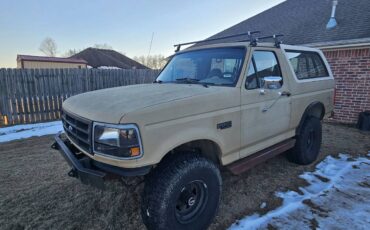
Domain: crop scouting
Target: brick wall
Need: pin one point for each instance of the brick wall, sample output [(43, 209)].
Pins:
[(351, 70)]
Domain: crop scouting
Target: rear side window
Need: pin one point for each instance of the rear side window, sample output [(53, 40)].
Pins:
[(307, 64)]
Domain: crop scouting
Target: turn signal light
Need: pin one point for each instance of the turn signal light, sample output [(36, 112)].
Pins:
[(135, 151)]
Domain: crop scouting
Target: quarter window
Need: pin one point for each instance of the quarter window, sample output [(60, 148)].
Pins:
[(263, 64), (307, 64), (251, 82)]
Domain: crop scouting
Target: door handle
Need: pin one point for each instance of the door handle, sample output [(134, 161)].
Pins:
[(285, 93)]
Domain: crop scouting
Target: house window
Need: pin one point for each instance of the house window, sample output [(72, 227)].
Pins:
[(307, 64)]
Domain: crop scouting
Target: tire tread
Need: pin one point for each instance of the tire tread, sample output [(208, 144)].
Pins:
[(157, 182)]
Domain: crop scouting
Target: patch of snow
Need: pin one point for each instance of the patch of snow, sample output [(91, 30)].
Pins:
[(263, 205), (25, 131), (108, 67), (338, 197)]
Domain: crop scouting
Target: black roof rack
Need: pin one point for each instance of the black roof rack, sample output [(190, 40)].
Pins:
[(249, 34), (274, 36), (253, 40)]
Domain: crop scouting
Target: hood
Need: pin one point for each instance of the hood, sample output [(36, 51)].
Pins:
[(110, 105)]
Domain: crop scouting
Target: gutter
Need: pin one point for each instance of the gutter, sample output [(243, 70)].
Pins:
[(361, 45), (362, 42)]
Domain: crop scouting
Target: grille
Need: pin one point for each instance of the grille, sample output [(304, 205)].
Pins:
[(79, 130)]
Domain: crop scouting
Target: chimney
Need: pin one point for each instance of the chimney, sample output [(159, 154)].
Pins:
[(332, 23)]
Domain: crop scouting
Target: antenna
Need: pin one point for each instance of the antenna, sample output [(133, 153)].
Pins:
[(151, 42)]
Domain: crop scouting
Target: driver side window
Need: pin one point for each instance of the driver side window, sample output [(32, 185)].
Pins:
[(263, 64)]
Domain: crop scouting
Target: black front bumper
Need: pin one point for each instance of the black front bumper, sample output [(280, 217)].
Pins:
[(90, 171)]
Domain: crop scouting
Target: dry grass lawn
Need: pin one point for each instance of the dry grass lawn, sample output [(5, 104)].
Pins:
[(36, 193)]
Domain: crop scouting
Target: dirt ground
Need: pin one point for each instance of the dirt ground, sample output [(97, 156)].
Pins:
[(36, 193)]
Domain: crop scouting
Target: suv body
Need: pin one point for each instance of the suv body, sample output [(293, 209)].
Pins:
[(258, 97)]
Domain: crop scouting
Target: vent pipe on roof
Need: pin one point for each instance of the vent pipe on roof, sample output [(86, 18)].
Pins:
[(332, 23)]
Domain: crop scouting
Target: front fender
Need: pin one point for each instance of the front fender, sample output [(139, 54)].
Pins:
[(163, 139)]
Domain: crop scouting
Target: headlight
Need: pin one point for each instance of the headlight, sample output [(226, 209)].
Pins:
[(121, 141)]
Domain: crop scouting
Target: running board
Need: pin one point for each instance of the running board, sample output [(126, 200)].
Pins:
[(249, 162)]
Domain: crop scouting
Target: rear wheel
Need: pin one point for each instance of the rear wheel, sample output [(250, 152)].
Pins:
[(308, 142), (183, 192)]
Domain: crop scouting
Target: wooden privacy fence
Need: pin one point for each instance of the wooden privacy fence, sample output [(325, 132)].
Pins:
[(36, 95)]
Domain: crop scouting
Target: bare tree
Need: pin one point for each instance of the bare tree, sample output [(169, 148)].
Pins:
[(103, 46), (48, 47), (152, 61), (71, 52)]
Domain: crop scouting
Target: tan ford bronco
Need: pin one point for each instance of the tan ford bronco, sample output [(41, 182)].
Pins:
[(227, 105)]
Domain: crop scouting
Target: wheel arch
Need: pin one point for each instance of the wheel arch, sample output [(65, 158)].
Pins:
[(315, 109), (205, 147)]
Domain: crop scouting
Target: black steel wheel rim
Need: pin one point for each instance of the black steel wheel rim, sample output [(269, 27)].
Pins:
[(191, 201)]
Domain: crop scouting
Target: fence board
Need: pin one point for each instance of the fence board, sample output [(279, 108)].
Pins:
[(35, 95), (8, 98)]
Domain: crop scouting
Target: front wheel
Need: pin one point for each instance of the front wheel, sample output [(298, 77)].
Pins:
[(183, 192), (308, 142)]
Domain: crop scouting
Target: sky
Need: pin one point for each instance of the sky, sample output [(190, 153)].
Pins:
[(125, 25)]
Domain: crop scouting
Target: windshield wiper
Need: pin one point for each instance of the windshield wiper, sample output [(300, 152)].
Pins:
[(188, 80), (192, 81)]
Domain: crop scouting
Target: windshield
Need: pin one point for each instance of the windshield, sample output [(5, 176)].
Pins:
[(219, 66)]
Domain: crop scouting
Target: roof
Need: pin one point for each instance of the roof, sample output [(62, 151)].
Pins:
[(50, 59), (304, 22), (104, 57)]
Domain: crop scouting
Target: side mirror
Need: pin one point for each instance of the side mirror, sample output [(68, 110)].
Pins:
[(271, 82)]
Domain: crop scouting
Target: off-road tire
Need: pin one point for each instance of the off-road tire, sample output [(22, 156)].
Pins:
[(308, 142), (164, 189)]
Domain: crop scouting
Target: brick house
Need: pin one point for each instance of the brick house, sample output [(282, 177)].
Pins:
[(344, 39), (351, 69)]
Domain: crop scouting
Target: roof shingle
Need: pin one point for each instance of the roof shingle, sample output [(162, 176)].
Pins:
[(304, 22), (104, 57)]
